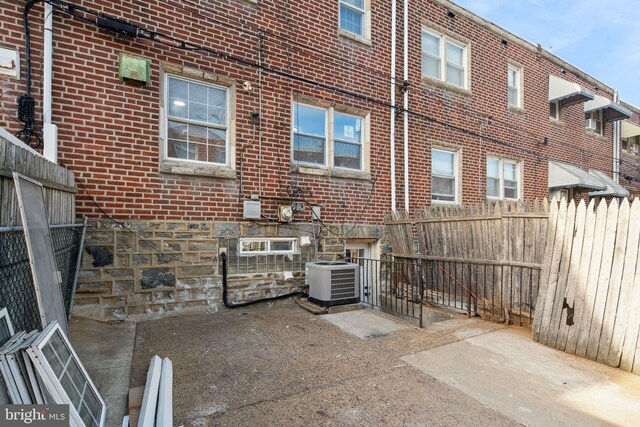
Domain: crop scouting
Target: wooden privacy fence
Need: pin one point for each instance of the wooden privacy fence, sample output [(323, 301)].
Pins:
[(490, 253), (589, 299), (58, 182)]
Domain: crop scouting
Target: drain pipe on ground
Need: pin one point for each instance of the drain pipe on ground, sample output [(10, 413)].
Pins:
[(225, 288)]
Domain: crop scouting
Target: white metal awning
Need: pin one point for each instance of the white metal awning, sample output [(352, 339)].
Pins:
[(610, 110), (567, 92), (613, 188), (562, 175), (629, 130)]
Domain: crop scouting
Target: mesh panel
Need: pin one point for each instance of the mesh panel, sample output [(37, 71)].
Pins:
[(17, 292)]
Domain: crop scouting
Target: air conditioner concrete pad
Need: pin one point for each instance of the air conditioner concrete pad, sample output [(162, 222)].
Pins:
[(364, 323)]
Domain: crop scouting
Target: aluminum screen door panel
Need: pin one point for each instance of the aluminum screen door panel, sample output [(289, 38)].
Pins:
[(46, 277), (6, 327)]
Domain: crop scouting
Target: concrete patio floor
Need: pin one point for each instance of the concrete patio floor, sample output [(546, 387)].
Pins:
[(279, 365)]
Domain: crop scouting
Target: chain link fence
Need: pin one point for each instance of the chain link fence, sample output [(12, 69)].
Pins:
[(17, 292)]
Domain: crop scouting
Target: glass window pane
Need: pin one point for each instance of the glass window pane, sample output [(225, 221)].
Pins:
[(177, 130), (347, 128), (309, 149), (197, 93), (455, 55), (356, 3), (347, 155), (281, 246), (442, 162), (216, 146), (351, 20), (455, 75), (178, 89), (197, 134), (510, 171), (513, 81), (217, 113), (198, 111), (493, 187), (553, 110), (249, 246), (430, 44), (513, 96), (431, 66), (52, 358), (510, 189), (179, 150), (493, 168), (442, 189), (309, 120), (178, 108)]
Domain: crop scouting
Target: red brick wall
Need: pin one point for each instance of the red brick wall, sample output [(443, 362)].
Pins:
[(109, 130)]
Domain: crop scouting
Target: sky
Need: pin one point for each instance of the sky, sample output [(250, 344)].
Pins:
[(599, 37)]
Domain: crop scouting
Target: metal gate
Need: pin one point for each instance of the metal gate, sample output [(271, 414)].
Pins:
[(493, 291)]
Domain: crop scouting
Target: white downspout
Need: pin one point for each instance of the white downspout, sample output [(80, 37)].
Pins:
[(616, 144), (392, 123), (406, 105), (50, 130)]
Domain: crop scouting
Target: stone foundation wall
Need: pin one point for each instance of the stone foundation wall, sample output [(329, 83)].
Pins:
[(138, 268)]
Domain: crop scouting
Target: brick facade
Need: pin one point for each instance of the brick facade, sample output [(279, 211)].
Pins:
[(110, 134)]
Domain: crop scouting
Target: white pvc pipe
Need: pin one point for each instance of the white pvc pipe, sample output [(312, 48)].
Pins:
[(393, 104), (50, 130), (406, 105)]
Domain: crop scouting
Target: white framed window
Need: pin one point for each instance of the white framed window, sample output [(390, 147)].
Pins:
[(328, 138), (503, 179), (514, 83), (196, 121), (444, 59), (355, 18), (264, 246), (593, 121), (560, 194), (554, 110), (444, 176)]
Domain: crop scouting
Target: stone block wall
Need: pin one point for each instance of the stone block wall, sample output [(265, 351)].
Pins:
[(137, 268)]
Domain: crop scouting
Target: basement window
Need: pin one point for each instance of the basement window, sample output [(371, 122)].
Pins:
[(268, 246)]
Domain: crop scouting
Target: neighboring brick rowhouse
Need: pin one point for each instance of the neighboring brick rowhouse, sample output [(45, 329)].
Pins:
[(111, 132)]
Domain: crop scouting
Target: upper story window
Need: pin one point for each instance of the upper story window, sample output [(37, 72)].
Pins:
[(197, 121), (554, 110), (328, 138), (444, 176), (593, 121), (515, 86), (444, 59), (355, 19), (503, 179)]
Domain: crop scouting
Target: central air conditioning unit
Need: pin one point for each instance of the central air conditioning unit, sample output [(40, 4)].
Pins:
[(332, 283), (590, 124)]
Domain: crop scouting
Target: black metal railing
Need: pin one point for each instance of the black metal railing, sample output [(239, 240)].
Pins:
[(493, 290)]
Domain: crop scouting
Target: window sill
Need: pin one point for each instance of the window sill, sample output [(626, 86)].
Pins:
[(185, 168), (330, 172), (447, 86), (349, 35), (250, 2), (556, 122), (514, 109), (444, 203), (596, 135)]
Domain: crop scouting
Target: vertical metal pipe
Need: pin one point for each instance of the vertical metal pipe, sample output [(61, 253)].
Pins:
[(392, 125)]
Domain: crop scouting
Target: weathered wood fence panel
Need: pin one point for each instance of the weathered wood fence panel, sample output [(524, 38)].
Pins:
[(492, 251), (589, 299), (58, 182)]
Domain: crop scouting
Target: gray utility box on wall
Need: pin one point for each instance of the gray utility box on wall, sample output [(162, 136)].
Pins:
[(332, 283)]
